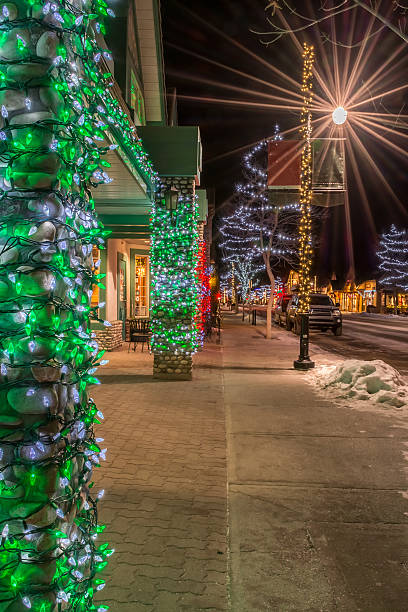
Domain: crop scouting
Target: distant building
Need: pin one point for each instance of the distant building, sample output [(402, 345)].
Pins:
[(366, 296)]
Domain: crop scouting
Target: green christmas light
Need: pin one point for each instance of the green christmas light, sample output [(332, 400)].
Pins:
[(175, 291), (55, 107)]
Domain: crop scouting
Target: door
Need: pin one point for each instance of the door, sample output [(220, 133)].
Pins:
[(122, 292)]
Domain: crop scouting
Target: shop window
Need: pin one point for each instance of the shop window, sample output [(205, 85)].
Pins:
[(141, 286), (96, 262)]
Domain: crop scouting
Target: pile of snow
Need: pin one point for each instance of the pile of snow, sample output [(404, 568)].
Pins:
[(368, 381), (377, 315)]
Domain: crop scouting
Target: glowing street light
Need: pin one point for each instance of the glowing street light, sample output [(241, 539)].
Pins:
[(339, 115)]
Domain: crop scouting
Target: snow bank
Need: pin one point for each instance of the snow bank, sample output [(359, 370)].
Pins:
[(375, 382), (377, 315)]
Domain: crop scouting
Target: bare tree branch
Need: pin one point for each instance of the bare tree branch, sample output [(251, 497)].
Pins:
[(278, 9)]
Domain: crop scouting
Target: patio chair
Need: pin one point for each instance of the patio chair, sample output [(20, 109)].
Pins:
[(139, 331)]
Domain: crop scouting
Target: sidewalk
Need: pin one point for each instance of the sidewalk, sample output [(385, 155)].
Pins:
[(317, 520), (165, 482)]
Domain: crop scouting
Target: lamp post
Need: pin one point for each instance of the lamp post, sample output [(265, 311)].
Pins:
[(171, 200), (305, 225)]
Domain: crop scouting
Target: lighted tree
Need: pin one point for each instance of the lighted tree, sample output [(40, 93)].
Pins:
[(266, 229), (270, 228), (175, 292), (393, 259), (238, 249), (55, 110)]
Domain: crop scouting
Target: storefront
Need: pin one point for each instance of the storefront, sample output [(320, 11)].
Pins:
[(356, 298), (126, 288), (394, 302)]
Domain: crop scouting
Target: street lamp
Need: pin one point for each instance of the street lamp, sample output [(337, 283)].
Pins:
[(339, 115)]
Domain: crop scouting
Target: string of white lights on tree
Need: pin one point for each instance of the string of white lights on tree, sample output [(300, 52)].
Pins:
[(239, 249), (267, 227), (393, 257)]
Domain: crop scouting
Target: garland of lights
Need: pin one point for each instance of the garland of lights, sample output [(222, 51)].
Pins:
[(203, 317), (393, 256), (263, 291), (55, 109), (306, 193), (258, 229), (174, 288)]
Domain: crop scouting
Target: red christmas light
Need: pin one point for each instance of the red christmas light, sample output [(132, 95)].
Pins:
[(204, 297)]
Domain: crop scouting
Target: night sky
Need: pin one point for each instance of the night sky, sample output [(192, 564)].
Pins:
[(228, 130)]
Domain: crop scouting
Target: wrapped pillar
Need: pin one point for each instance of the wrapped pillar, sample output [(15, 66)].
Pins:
[(50, 121), (175, 290)]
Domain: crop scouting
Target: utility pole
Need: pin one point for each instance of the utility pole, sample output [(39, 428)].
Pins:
[(305, 225)]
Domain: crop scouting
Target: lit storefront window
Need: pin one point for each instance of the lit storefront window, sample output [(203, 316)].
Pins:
[(141, 286), (96, 261)]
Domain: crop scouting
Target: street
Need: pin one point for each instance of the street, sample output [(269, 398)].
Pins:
[(365, 337), (369, 337)]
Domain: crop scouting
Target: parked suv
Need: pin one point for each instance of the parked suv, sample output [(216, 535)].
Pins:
[(323, 315), (279, 314)]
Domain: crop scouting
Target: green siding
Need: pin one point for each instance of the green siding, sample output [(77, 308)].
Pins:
[(175, 151), (202, 205)]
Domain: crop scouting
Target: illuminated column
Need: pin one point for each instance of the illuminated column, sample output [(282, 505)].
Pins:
[(174, 288), (52, 99), (233, 288), (305, 200)]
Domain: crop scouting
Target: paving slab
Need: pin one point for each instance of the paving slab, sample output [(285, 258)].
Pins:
[(276, 406), (165, 480)]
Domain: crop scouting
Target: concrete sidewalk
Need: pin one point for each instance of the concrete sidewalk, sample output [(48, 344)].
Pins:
[(316, 517), (318, 513)]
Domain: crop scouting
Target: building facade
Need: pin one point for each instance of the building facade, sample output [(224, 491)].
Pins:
[(367, 296), (129, 204)]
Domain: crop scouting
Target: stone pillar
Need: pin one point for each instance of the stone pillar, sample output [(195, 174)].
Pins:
[(169, 366), (109, 337), (174, 288), (48, 525)]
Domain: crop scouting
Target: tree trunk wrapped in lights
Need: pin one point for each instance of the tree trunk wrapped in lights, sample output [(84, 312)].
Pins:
[(175, 291), (55, 107)]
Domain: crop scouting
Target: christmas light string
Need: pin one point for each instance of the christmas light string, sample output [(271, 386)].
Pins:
[(56, 111), (175, 293), (306, 192), (203, 316), (258, 234), (393, 257)]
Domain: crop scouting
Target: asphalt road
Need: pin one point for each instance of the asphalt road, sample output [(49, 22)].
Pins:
[(365, 337), (369, 338)]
